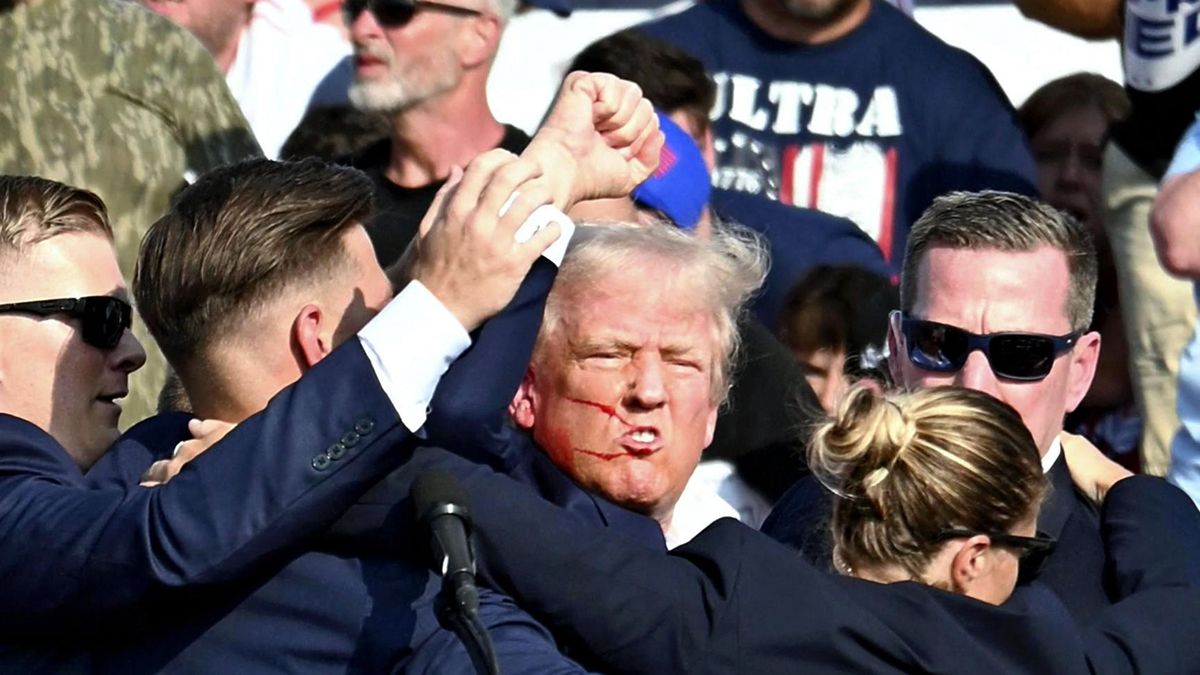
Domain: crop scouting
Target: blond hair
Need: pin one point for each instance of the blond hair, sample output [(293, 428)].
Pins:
[(905, 466), (35, 209)]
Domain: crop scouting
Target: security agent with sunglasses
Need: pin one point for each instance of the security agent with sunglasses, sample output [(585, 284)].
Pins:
[(313, 284), (424, 64), (996, 295), (81, 562)]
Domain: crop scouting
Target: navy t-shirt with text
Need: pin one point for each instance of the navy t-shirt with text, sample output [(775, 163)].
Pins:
[(872, 126)]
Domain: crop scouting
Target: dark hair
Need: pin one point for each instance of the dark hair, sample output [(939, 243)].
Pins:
[(238, 237), (1079, 90), (334, 133), (840, 308), (905, 466), (1004, 221), (33, 209), (670, 78)]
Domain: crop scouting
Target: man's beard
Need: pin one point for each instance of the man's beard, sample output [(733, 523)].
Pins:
[(400, 91)]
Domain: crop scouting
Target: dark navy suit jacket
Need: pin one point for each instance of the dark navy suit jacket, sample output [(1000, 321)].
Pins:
[(733, 600), (1074, 571), (74, 557), (350, 609)]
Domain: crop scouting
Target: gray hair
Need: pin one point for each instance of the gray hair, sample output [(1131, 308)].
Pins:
[(724, 270), (1004, 221)]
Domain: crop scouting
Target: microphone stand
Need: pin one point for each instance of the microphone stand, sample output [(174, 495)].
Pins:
[(470, 630)]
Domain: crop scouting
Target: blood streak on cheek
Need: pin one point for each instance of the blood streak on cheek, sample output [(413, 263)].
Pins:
[(604, 457), (606, 409), (558, 443)]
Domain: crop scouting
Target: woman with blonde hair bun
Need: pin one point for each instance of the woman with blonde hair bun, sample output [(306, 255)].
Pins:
[(940, 486)]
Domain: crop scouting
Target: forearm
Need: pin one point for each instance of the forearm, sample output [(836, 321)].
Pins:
[(1089, 19), (1175, 225)]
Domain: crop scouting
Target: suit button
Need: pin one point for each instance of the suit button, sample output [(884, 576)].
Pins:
[(364, 426), (350, 439), (336, 451), (321, 462)]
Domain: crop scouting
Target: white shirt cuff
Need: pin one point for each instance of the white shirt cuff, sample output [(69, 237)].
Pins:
[(410, 344)]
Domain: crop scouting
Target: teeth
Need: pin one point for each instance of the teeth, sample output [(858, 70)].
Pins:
[(643, 436)]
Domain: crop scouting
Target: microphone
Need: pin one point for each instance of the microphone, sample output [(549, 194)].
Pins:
[(440, 504)]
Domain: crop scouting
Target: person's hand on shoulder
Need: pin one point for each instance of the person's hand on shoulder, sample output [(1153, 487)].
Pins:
[(205, 434), (1092, 472)]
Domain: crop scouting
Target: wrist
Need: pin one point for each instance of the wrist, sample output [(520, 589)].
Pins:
[(560, 166)]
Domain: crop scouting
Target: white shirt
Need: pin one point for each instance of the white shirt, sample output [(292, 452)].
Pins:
[(697, 508), (1051, 455), (282, 56), (414, 339)]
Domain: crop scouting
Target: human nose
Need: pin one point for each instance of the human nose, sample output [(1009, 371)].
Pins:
[(648, 389), (364, 25), (977, 374), (1070, 169), (128, 355)]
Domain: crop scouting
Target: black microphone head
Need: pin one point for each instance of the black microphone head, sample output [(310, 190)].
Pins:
[(437, 492)]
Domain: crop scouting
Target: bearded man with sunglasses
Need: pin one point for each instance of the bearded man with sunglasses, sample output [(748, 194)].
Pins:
[(996, 295), (425, 64)]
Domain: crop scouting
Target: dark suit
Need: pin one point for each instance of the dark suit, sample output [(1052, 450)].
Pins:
[(348, 608), (733, 600), (1074, 571), (73, 556)]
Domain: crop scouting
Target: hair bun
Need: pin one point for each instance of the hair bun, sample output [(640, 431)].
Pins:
[(853, 453)]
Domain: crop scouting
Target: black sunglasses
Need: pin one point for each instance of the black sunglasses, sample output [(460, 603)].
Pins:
[(394, 13), (1026, 357), (103, 318), (1032, 551)]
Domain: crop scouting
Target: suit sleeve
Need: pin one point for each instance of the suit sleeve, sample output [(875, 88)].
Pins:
[(730, 595), (471, 403), (1151, 535), (73, 554)]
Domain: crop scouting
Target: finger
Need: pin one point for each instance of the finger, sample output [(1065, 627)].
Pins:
[(628, 98), (157, 473), (603, 90), (509, 180), (541, 241), (530, 196), (636, 147), (643, 123), (461, 208), (647, 158), (436, 208), (189, 450)]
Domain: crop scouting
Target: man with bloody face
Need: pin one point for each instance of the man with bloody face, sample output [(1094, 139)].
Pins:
[(632, 360)]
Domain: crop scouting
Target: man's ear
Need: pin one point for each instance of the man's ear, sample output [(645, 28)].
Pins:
[(970, 564), (312, 339), (523, 408), (708, 150), (480, 40), (1083, 359)]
